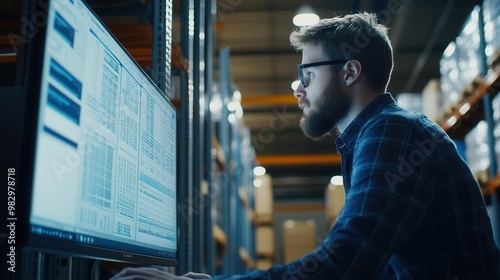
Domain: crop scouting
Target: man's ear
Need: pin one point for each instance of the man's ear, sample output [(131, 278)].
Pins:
[(352, 72)]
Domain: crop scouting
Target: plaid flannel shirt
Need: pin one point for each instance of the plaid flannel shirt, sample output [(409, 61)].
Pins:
[(413, 209)]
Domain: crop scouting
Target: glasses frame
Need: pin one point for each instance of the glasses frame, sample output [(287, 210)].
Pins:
[(307, 65)]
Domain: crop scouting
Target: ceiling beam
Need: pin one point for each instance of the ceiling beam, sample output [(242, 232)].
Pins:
[(429, 46)]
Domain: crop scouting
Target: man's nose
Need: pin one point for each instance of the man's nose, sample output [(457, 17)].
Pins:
[(299, 91)]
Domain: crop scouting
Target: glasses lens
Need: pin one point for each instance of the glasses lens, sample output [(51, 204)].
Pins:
[(302, 77)]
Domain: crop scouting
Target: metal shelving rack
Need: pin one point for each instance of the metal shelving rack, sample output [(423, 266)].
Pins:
[(158, 14), (224, 136), (247, 229), (236, 180), (470, 110), (162, 42), (208, 130), (488, 115), (211, 232), (186, 182), (197, 231), (200, 189)]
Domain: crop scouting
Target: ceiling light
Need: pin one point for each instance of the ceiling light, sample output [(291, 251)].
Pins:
[(295, 84), (216, 104), (259, 171), (305, 16), (337, 181), (237, 95), (233, 106)]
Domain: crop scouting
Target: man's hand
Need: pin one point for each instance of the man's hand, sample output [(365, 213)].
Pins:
[(150, 273)]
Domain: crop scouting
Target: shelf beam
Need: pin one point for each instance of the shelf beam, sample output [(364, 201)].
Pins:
[(469, 111), (304, 159), (269, 100)]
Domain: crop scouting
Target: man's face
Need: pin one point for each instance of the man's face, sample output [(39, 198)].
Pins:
[(322, 102)]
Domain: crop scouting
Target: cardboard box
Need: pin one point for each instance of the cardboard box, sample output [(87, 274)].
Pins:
[(334, 202), (264, 236), (264, 200), (264, 263), (431, 100), (299, 238)]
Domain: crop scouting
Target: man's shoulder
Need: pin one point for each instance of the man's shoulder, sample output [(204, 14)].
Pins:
[(396, 116), (394, 120)]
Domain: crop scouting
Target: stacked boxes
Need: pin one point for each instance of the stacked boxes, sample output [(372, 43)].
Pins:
[(263, 264), (461, 67), (431, 99), (491, 10), (264, 199), (460, 64), (334, 202), (263, 217), (265, 241), (469, 51), (476, 141), (450, 78), (299, 238), (477, 151)]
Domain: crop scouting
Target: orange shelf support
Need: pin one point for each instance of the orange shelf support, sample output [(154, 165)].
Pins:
[(461, 116), (269, 100), (307, 159)]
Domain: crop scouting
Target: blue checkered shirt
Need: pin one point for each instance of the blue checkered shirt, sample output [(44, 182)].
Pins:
[(413, 209)]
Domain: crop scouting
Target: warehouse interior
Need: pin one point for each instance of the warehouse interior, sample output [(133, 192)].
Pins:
[(263, 64), (218, 53)]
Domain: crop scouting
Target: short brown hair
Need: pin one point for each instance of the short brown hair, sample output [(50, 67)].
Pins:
[(355, 36)]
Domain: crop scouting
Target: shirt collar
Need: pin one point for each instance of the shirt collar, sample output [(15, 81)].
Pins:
[(345, 142)]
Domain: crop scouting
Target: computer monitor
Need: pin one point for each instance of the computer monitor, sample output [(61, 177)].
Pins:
[(102, 158)]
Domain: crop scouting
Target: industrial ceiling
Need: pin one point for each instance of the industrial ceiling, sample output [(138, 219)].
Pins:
[(263, 65)]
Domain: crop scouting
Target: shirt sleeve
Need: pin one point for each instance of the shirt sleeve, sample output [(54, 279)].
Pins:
[(390, 192)]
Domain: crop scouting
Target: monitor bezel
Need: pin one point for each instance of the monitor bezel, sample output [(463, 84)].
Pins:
[(32, 57)]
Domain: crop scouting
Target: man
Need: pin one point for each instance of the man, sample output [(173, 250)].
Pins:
[(413, 209)]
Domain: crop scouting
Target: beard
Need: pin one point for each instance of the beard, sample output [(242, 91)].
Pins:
[(324, 113)]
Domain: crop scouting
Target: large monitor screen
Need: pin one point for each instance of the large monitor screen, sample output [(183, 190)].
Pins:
[(104, 181)]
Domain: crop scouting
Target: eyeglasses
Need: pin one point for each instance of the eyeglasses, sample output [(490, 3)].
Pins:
[(304, 80)]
